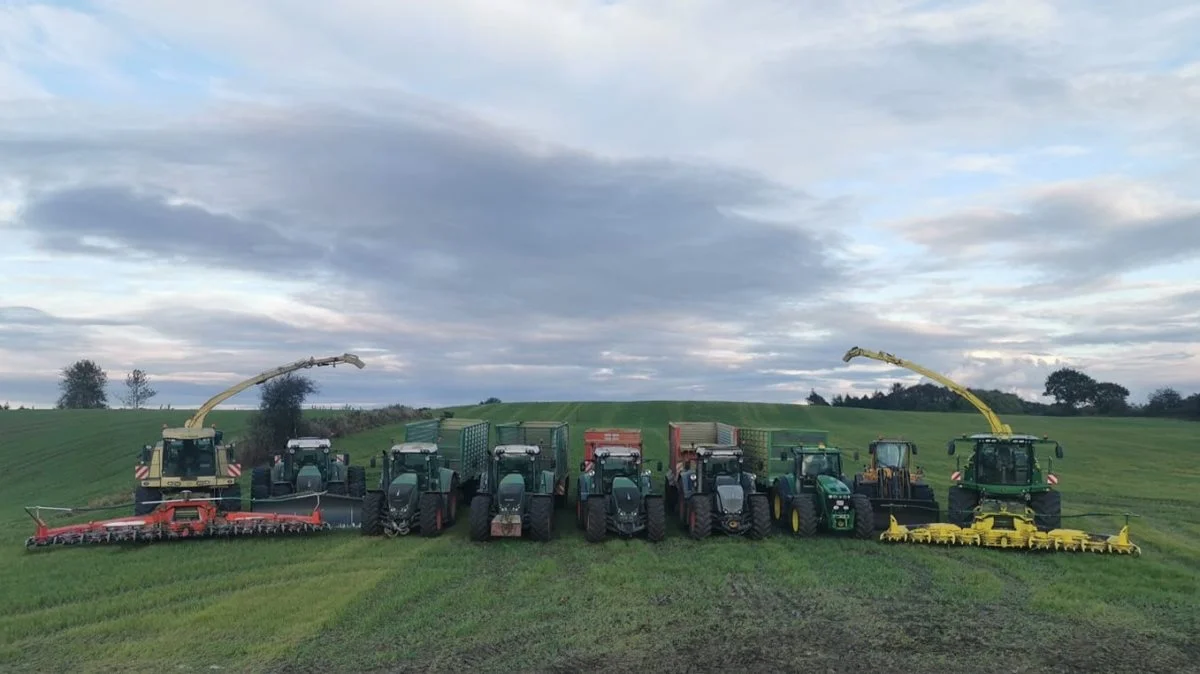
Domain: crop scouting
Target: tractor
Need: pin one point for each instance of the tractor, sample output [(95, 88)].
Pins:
[(893, 486), (516, 493), (716, 490), (1004, 467), (307, 475), (616, 495), (813, 495), (417, 490)]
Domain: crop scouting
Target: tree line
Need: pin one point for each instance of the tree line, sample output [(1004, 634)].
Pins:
[(1074, 393)]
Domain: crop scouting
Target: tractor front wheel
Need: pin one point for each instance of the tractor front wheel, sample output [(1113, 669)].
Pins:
[(432, 514), (803, 516), (699, 510), (541, 518), (864, 520), (595, 514), (656, 519), (372, 514), (481, 517), (760, 516)]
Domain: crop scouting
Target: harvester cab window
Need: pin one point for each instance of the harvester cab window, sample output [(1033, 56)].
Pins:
[(188, 458), (1002, 463)]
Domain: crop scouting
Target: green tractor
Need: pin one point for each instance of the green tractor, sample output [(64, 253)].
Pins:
[(516, 494), (616, 495), (812, 495), (417, 490), (716, 490), (1004, 467), (307, 475)]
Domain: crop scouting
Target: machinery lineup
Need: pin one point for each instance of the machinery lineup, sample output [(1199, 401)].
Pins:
[(719, 479)]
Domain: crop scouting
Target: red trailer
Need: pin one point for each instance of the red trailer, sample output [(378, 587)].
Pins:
[(609, 437), (682, 439)]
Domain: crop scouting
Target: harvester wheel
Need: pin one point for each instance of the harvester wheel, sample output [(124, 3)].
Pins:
[(760, 516), (356, 481), (960, 506), (433, 516), (481, 517), (595, 514), (541, 518), (231, 499), (372, 513), (143, 494), (864, 519), (1047, 508), (699, 510), (802, 516), (656, 519), (260, 483)]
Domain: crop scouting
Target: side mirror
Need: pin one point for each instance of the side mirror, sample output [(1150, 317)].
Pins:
[(950, 447), (1058, 450), (372, 462), (582, 466), (660, 466)]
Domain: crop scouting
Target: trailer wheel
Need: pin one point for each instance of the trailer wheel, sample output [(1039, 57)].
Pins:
[(595, 515), (432, 514), (372, 512), (760, 516), (481, 517), (700, 515), (656, 519), (864, 519), (803, 516), (541, 518)]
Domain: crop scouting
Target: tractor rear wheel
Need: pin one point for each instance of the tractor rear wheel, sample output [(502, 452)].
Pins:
[(481, 517), (143, 494), (1047, 509), (760, 516), (372, 514), (803, 516), (864, 519), (656, 519), (778, 505), (699, 510), (595, 513), (960, 506), (337, 488), (433, 516), (356, 481), (541, 518), (282, 489)]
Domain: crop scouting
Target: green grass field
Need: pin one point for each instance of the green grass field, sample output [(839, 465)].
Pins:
[(339, 601)]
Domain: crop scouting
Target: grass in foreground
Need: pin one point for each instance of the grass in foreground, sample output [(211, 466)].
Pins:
[(340, 602)]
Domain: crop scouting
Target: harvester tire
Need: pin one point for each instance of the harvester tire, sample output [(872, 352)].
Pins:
[(356, 481), (960, 506), (231, 499), (260, 483), (433, 516), (656, 519), (372, 514), (481, 517), (802, 516), (143, 494), (760, 516), (699, 511), (594, 513), (864, 519), (1047, 508), (541, 518)]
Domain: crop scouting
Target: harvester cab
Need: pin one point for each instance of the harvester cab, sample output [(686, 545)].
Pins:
[(813, 494), (417, 490), (893, 486), (307, 473), (1004, 467), (516, 493), (617, 495), (716, 489)]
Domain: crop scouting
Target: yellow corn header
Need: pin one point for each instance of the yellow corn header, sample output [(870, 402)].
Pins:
[(995, 526)]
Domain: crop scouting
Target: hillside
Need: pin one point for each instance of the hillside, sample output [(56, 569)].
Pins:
[(448, 605)]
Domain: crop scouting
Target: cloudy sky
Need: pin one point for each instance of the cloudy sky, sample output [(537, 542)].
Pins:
[(587, 199)]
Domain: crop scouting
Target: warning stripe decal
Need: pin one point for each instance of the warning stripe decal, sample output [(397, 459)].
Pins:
[(140, 472), (235, 470)]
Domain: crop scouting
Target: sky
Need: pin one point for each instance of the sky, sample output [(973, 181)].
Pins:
[(598, 200)]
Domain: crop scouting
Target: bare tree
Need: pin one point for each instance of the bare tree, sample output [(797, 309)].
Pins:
[(137, 384)]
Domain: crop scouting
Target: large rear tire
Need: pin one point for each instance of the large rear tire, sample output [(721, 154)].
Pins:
[(143, 494), (1047, 508), (760, 516), (656, 519), (231, 499), (372, 514), (433, 517), (595, 515), (541, 518), (356, 479), (699, 516), (960, 506), (864, 518), (481, 517), (260, 483), (803, 516)]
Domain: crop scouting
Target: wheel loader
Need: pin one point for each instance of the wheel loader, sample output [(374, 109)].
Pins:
[(893, 486), (812, 495), (309, 474), (516, 494), (615, 494), (418, 491)]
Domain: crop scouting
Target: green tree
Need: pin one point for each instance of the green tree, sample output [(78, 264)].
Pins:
[(279, 417), (1070, 388), (1110, 398), (138, 391), (82, 386), (815, 398)]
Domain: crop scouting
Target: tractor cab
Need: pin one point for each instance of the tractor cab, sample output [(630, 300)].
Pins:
[(614, 462), (718, 465), (812, 462), (1004, 461), (415, 458)]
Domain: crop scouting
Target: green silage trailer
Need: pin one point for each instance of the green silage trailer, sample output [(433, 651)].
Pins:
[(550, 436)]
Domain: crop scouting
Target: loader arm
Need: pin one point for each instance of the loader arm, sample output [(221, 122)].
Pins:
[(197, 420), (998, 427)]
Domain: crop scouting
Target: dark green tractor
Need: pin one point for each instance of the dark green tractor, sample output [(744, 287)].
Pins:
[(417, 491), (717, 492), (1004, 467), (813, 496), (616, 495), (306, 475), (516, 494)]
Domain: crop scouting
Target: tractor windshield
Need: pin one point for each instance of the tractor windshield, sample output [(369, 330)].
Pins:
[(612, 467), (812, 465), (523, 464), (1004, 463), (189, 458), (891, 454), (407, 462)]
